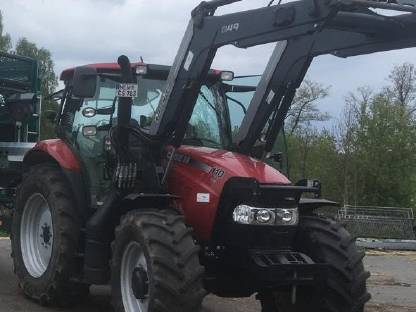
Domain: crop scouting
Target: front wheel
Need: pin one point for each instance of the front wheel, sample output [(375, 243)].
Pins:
[(155, 265), (344, 290), (45, 235)]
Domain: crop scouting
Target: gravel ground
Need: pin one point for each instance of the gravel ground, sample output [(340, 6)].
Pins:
[(393, 287)]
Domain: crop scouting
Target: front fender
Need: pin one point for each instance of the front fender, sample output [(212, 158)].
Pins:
[(58, 152), (55, 150)]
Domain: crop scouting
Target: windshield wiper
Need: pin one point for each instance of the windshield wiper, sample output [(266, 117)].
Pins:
[(238, 103), (209, 102)]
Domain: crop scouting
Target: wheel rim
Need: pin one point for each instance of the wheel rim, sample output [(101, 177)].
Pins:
[(134, 261), (36, 235)]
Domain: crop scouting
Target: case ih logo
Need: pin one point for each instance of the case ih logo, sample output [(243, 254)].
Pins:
[(231, 27)]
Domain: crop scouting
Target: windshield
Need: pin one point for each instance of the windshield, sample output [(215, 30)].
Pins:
[(203, 129), (215, 121), (143, 108)]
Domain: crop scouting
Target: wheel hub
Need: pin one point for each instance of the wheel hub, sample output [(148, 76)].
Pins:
[(134, 279), (46, 235), (140, 283)]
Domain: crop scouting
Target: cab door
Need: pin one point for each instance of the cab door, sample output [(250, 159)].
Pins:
[(86, 124)]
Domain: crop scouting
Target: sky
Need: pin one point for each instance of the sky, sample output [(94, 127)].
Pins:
[(79, 32)]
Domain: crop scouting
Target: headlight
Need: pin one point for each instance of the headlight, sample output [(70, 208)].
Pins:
[(245, 214)]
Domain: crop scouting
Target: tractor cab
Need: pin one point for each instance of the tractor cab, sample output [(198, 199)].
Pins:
[(85, 123)]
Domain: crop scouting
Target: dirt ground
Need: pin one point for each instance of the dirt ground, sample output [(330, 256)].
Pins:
[(392, 285)]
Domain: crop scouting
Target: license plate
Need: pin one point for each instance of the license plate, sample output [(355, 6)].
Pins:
[(129, 90)]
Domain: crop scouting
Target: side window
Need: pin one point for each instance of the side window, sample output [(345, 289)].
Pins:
[(238, 102), (203, 126)]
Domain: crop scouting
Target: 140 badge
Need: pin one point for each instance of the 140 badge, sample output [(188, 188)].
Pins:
[(217, 172)]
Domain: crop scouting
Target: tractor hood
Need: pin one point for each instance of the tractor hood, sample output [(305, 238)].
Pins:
[(198, 177), (225, 164)]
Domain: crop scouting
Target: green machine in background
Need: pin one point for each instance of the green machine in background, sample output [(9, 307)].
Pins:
[(20, 110)]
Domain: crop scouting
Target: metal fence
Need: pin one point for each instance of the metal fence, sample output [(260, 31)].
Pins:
[(378, 222)]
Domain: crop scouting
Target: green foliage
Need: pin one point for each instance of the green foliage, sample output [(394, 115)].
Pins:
[(370, 156), (384, 154), (47, 128), (5, 40), (314, 155)]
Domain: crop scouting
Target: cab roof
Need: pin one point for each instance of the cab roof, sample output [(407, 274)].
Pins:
[(113, 67), (161, 71)]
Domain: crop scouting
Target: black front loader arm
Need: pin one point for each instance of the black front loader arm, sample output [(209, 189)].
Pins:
[(292, 58), (303, 29)]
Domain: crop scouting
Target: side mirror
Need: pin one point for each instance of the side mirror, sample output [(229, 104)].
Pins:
[(89, 112), (84, 82), (89, 131)]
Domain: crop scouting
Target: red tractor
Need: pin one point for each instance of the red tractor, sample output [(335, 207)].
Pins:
[(162, 182)]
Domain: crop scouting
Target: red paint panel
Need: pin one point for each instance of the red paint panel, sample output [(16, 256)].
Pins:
[(59, 151), (187, 180)]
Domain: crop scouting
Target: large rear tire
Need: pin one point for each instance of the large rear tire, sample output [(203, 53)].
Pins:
[(155, 266), (45, 233), (344, 290)]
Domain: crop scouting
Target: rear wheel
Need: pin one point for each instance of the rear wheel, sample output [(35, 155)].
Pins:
[(344, 290), (45, 234), (155, 266)]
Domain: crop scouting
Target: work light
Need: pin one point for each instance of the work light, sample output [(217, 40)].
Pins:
[(227, 76), (141, 69)]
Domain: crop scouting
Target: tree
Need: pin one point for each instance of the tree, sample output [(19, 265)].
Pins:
[(304, 109), (313, 154), (370, 157), (378, 147), (5, 40), (403, 84), (49, 80), (46, 65)]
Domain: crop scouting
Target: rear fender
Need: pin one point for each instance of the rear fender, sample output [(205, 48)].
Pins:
[(58, 152)]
